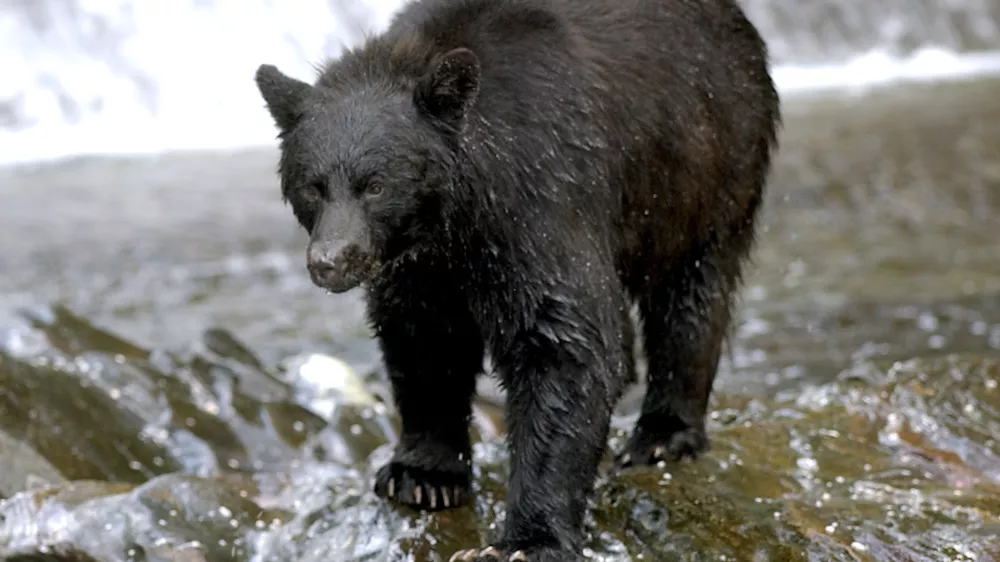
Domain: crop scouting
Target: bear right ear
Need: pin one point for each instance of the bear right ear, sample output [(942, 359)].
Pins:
[(282, 94), (448, 91)]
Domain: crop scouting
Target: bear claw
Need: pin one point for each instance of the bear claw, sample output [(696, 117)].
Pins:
[(642, 450), (431, 490)]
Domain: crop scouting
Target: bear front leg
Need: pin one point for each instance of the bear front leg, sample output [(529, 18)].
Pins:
[(563, 377), (433, 354)]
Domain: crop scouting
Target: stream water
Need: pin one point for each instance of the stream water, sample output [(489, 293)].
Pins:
[(173, 387)]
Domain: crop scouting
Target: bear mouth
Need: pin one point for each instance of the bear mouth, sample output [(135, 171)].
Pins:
[(381, 267)]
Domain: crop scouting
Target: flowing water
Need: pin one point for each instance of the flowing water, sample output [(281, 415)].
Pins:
[(173, 388)]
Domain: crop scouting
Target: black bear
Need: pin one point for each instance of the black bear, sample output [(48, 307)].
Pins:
[(505, 177)]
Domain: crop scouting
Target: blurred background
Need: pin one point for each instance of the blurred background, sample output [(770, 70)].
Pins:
[(173, 387), (83, 76)]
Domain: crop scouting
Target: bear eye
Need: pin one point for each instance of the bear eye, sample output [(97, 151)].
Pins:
[(313, 192), (373, 189)]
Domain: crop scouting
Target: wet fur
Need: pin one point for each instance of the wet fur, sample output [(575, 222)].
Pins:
[(611, 148)]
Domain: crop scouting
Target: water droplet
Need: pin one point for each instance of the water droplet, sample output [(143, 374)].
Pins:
[(927, 322), (807, 463)]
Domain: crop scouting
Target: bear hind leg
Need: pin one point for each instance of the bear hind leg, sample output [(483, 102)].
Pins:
[(686, 317)]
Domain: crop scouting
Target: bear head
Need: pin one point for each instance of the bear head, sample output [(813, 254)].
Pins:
[(367, 159)]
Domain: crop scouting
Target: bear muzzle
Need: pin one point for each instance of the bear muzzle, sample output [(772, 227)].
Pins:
[(338, 266)]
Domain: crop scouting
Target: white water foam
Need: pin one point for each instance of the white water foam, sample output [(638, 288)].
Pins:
[(879, 68), (196, 90)]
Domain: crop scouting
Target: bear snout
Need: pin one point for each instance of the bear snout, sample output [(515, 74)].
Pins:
[(338, 267)]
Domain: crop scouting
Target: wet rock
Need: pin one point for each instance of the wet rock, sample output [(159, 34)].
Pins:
[(891, 461), (23, 467), (83, 404)]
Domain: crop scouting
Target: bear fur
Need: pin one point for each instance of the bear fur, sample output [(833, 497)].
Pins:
[(505, 177)]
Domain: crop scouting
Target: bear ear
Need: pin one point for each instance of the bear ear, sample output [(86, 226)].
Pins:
[(448, 91), (282, 94)]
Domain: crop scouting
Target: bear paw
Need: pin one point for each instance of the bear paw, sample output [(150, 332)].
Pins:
[(645, 448), (495, 554), (431, 490)]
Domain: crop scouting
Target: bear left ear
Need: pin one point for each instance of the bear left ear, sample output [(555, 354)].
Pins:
[(448, 91)]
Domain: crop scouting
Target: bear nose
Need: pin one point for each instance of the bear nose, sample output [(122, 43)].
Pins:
[(327, 268), (323, 272)]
